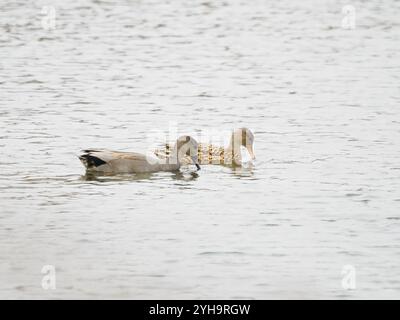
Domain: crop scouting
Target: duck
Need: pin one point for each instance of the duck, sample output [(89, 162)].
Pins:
[(211, 154), (115, 162)]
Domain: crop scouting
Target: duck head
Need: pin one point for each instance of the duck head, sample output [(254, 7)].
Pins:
[(188, 146), (244, 137)]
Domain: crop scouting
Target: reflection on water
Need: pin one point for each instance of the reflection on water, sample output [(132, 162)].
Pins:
[(247, 170), (104, 177), (191, 176), (321, 100), (108, 177)]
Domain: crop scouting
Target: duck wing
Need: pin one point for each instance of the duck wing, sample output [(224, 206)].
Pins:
[(210, 154), (99, 159), (207, 154), (118, 162)]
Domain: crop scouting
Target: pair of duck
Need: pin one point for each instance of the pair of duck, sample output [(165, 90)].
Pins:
[(185, 151)]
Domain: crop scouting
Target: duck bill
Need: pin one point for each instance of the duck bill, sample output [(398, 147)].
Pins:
[(196, 163)]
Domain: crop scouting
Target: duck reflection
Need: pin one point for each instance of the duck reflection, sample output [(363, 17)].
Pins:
[(246, 171), (107, 177)]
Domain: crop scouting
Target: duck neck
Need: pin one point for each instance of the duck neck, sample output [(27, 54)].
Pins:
[(233, 150), (173, 159)]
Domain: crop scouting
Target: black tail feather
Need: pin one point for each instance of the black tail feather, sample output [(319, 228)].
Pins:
[(91, 161)]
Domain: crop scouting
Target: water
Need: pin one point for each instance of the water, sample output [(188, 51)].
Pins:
[(323, 194)]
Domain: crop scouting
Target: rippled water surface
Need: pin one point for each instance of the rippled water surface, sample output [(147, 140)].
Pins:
[(322, 101)]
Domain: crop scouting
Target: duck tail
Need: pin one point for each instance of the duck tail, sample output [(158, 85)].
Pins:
[(90, 161)]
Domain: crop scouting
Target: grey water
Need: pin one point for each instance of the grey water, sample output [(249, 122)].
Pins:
[(322, 197)]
